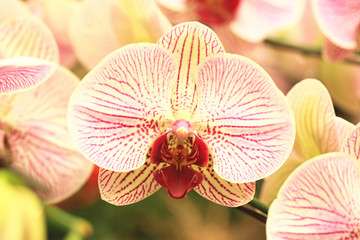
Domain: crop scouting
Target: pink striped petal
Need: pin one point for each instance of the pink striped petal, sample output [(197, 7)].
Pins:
[(333, 53), (316, 131), (126, 188), (92, 33), (320, 200), (257, 19), (122, 105), (27, 37), (339, 20), (40, 143), (344, 129), (222, 192), (22, 73), (243, 118), (351, 145), (189, 44)]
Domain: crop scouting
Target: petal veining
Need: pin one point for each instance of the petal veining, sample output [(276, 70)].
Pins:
[(122, 105), (220, 191), (122, 188), (39, 140), (22, 73), (189, 44), (351, 144), (318, 201), (243, 117)]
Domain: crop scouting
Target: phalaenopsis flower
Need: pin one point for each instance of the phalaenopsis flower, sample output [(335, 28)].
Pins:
[(181, 114)]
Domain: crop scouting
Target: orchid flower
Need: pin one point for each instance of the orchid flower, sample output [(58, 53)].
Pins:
[(100, 27), (33, 133), (339, 21), (238, 23), (181, 114), (318, 131), (319, 200), (28, 54)]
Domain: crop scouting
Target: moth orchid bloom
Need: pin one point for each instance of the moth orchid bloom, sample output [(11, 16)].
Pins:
[(237, 22), (318, 131), (181, 114), (28, 54), (319, 200), (36, 141), (100, 27), (22, 215), (339, 21)]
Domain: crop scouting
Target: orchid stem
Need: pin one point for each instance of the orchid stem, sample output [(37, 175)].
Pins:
[(306, 51), (255, 203), (76, 226), (253, 213)]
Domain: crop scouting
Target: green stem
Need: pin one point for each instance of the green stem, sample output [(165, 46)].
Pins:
[(75, 225), (255, 203), (306, 51)]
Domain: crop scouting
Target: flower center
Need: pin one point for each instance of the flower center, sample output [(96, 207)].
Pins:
[(180, 148), (215, 12)]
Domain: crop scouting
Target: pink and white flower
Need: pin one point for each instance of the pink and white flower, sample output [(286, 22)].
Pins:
[(319, 200), (339, 21), (34, 94), (181, 114), (28, 54)]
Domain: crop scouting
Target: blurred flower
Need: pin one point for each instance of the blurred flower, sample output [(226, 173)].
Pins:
[(22, 215), (339, 21), (237, 22), (28, 54), (318, 131), (319, 200), (181, 114), (51, 12), (100, 27), (36, 137)]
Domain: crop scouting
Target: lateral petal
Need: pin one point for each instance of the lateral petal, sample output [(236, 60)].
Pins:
[(243, 118), (122, 105), (319, 200), (22, 73), (189, 44), (351, 144), (39, 140), (220, 191), (338, 20), (122, 188), (316, 131), (27, 36)]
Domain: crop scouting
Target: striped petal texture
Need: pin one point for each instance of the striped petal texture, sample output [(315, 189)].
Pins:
[(220, 191), (319, 200), (243, 118), (28, 53), (189, 44), (39, 140), (122, 105), (128, 187), (22, 73)]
